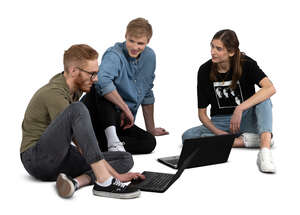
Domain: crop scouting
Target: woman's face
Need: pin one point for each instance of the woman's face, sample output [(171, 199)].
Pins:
[(219, 53)]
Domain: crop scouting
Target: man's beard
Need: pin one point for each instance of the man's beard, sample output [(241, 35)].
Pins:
[(81, 83)]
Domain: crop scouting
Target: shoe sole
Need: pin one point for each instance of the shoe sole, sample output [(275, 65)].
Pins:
[(64, 186), (117, 195), (264, 170)]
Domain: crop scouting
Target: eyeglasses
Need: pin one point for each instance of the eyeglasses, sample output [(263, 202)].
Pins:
[(93, 74)]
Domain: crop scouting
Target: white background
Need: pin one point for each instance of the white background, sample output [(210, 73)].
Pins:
[(34, 35)]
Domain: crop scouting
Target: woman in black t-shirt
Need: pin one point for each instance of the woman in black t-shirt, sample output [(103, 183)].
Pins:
[(227, 83)]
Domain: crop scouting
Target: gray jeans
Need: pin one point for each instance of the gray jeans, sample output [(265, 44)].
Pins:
[(53, 152)]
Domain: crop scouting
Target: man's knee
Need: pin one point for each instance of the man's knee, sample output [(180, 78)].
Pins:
[(128, 162), (78, 108), (123, 162), (150, 143)]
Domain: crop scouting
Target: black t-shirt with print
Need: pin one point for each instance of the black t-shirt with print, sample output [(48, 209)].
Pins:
[(219, 95)]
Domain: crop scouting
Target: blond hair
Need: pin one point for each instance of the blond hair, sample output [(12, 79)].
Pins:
[(139, 27)]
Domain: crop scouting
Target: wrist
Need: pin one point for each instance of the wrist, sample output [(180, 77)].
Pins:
[(125, 107), (151, 130), (220, 132), (239, 108)]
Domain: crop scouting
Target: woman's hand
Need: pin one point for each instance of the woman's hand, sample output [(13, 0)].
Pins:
[(235, 121), (221, 132)]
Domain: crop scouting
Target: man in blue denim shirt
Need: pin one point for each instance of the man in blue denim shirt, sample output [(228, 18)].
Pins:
[(126, 76)]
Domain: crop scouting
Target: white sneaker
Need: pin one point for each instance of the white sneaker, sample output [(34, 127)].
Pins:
[(116, 147), (252, 140), (265, 161)]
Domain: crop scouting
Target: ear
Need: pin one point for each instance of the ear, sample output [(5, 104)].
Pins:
[(73, 71), (231, 54)]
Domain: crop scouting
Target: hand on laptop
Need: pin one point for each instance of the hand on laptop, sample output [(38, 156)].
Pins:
[(126, 177)]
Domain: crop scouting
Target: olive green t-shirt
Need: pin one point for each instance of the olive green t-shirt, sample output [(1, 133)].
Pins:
[(45, 105)]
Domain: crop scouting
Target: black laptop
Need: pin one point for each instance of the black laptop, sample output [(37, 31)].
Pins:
[(195, 152), (212, 150), (160, 182)]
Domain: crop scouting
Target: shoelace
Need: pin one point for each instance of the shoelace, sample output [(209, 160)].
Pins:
[(116, 144), (119, 183), (119, 143)]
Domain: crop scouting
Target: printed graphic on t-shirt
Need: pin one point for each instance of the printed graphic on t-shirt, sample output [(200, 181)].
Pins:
[(226, 97)]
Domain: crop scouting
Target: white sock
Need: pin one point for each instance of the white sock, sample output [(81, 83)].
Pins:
[(105, 183), (111, 135), (77, 185)]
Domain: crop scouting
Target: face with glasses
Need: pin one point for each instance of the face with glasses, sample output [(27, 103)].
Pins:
[(86, 75)]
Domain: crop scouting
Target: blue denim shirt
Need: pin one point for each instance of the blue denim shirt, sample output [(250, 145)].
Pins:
[(132, 78)]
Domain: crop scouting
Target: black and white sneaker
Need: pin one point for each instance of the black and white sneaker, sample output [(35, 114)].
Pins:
[(116, 190), (65, 185), (116, 147)]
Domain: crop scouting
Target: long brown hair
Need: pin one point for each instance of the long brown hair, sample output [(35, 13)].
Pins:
[(231, 43)]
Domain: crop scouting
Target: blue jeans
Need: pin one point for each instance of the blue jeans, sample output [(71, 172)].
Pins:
[(257, 119)]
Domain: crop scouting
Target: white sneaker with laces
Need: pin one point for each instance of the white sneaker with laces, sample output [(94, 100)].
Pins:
[(265, 161), (116, 147), (252, 140)]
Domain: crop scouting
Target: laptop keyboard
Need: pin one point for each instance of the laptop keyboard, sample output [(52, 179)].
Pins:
[(155, 181)]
